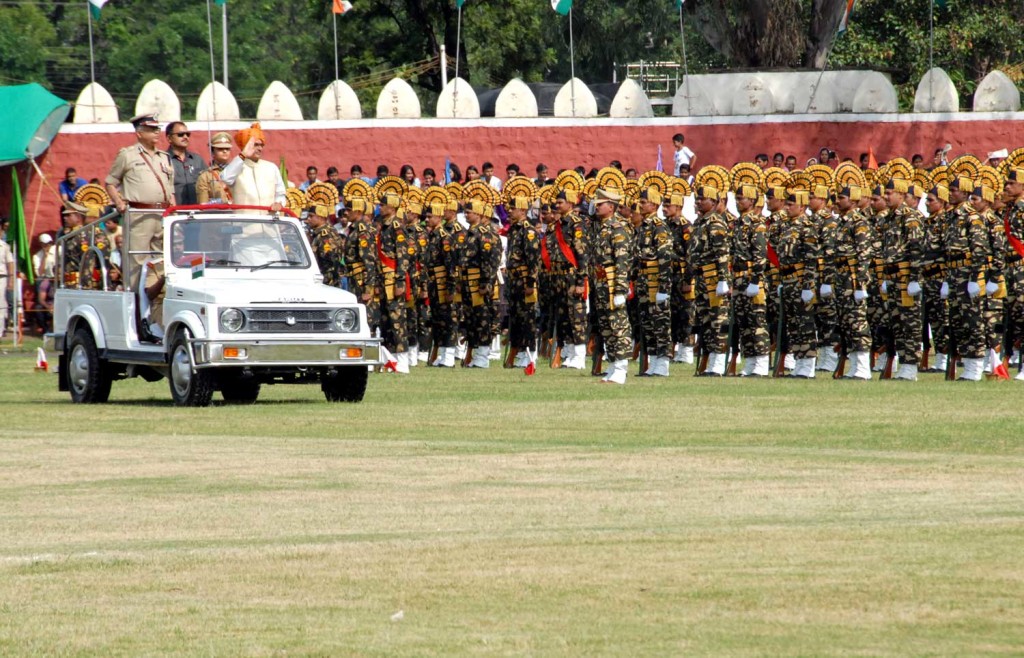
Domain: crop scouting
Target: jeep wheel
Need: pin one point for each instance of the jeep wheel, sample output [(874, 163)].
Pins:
[(88, 376), (239, 390), (187, 388), (348, 384)]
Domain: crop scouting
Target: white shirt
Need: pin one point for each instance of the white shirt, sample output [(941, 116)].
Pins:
[(682, 156), (494, 182), (253, 189), (44, 262)]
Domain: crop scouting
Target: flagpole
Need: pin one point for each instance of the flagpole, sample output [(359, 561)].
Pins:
[(686, 68), (213, 71), (458, 46), (572, 66), (224, 38), (92, 62), (931, 51), (337, 98)]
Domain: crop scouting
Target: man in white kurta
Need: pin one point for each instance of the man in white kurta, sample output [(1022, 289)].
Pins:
[(254, 181)]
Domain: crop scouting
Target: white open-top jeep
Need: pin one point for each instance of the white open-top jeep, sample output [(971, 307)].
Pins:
[(244, 305)]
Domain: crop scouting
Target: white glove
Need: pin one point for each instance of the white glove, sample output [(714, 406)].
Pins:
[(661, 297), (752, 290), (826, 290), (807, 296), (913, 288), (860, 295), (722, 289), (944, 290), (618, 301), (973, 289), (991, 287), (778, 291), (885, 288)]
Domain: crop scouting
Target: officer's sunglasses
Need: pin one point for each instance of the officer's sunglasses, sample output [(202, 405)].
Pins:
[(184, 134)]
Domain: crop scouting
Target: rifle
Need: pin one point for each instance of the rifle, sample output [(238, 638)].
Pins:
[(953, 347), (553, 350), (510, 359), (926, 338), (732, 341), (644, 360), (843, 356), (433, 354), (890, 351), (469, 355), (779, 369)]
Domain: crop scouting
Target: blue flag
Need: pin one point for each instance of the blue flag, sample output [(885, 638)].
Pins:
[(447, 170)]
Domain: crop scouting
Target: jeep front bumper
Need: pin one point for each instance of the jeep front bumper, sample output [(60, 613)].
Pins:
[(282, 353)]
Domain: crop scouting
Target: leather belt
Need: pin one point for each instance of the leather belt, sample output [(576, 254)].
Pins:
[(147, 206)]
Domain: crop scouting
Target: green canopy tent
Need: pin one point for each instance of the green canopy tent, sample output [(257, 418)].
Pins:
[(31, 117)]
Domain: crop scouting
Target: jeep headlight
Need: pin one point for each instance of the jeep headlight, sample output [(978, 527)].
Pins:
[(231, 320), (345, 320)]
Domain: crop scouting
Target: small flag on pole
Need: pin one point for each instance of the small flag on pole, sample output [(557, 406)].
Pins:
[(561, 6), (94, 8), (531, 367), (659, 166), (680, 3), (459, 3), (845, 23), (41, 364), (198, 266), (872, 160), (998, 367), (390, 362), (17, 236), (341, 6), (447, 170)]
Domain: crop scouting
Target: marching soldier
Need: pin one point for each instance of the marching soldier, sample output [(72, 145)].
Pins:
[(708, 262), (966, 253), (566, 246), (418, 307), (654, 255), (327, 245), (825, 310), (995, 283), (682, 286), (523, 269), (611, 261), (775, 200), (392, 253), (749, 253), (798, 249), (1013, 226), (481, 258), (440, 260), (879, 316), (936, 307), (361, 264), (850, 275), (903, 245)]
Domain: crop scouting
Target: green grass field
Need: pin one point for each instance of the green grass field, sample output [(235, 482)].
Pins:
[(488, 513)]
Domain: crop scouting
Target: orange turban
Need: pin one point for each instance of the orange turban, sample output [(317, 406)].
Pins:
[(242, 137)]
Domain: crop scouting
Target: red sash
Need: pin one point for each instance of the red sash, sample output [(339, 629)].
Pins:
[(773, 257), (1017, 245), (390, 262), (544, 255), (563, 246)]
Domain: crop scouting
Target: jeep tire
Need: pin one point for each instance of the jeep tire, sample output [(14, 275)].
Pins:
[(347, 384), (187, 388), (88, 376)]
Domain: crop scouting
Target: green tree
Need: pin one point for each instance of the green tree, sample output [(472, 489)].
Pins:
[(26, 38)]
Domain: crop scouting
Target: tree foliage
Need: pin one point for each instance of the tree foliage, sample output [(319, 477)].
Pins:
[(135, 41)]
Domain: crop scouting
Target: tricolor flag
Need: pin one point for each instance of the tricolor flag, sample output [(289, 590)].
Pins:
[(561, 6), (94, 8), (459, 3), (198, 266), (341, 6), (680, 3), (843, 24)]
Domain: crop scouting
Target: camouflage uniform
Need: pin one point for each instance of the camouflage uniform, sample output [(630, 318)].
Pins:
[(565, 257), (878, 302), (936, 309), (523, 268), (708, 263), (329, 248), (772, 278), (418, 308), (481, 257), (362, 267), (903, 245), (682, 284), (393, 251), (795, 240), (826, 313), (1013, 225), (440, 264), (612, 257), (654, 256), (749, 264), (966, 253), (850, 270), (995, 273)]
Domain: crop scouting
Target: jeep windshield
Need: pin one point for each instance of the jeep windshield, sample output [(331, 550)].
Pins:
[(236, 243)]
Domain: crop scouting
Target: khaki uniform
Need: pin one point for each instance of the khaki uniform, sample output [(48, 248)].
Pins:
[(146, 178), (210, 189)]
